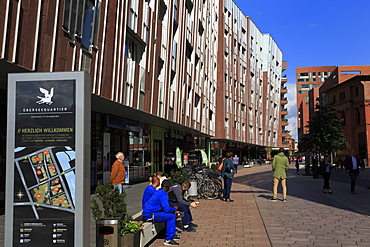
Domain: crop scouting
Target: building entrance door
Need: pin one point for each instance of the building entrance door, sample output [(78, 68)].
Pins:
[(158, 159)]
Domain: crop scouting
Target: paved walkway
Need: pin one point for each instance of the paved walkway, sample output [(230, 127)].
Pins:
[(309, 218)]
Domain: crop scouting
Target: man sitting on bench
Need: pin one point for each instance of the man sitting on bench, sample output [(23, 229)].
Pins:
[(176, 196), (150, 190), (157, 208)]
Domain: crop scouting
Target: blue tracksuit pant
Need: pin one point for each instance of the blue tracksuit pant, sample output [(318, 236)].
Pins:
[(169, 219)]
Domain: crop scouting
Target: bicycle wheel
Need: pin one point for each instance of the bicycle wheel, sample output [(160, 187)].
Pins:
[(209, 189)]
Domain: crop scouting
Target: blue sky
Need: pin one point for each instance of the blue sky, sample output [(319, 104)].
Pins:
[(313, 33)]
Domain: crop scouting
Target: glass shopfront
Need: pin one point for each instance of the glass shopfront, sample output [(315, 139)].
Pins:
[(111, 135)]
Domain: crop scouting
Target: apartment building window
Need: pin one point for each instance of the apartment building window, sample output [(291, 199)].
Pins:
[(174, 51), (303, 74), (160, 99), (132, 19), (86, 62), (130, 52), (356, 91), (175, 10), (71, 19), (142, 89), (357, 115), (81, 19), (145, 30), (91, 11)]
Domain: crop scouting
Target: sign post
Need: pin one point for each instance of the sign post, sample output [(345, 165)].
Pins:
[(48, 159)]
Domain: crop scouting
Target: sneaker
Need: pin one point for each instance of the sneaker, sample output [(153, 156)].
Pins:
[(353, 192), (189, 229), (193, 225), (284, 200), (176, 237), (178, 232), (229, 200), (272, 199), (171, 242)]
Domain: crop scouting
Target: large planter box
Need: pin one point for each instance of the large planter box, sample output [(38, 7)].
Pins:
[(131, 240)]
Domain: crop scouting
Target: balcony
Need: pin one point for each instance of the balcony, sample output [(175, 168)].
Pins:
[(284, 79), (285, 65), (284, 111), (284, 89)]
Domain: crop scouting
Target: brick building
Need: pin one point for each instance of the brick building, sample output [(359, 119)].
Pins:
[(350, 99), (194, 74), (308, 78)]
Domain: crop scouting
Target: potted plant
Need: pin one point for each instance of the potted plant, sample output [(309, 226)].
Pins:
[(130, 232), (109, 206), (109, 203)]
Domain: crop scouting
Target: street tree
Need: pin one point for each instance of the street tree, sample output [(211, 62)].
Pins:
[(325, 132)]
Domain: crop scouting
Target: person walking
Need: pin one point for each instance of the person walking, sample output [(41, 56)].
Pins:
[(236, 163), (118, 173), (352, 164), (227, 173), (326, 172), (280, 164), (297, 166)]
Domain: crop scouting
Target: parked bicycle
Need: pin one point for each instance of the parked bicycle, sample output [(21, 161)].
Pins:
[(208, 181)]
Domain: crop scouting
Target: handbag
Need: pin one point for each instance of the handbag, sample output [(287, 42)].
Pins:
[(220, 166)]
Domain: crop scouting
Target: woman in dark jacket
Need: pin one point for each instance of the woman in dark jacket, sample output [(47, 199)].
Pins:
[(326, 172), (227, 173)]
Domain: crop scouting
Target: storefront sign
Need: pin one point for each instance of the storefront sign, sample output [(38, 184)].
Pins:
[(178, 157), (48, 157)]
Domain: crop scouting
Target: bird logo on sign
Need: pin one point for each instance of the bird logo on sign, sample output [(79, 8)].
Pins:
[(47, 96)]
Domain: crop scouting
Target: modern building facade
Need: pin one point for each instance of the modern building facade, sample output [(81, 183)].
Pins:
[(308, 78), (193, 74), (249, 94)]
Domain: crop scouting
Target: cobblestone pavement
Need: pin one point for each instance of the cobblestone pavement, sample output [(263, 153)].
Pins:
[(309, 218)]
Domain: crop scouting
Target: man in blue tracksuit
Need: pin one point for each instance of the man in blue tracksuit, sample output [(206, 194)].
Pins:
[(158, 209), (150, 190)]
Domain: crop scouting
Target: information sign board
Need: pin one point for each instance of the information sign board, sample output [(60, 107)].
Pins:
[(47, 197)]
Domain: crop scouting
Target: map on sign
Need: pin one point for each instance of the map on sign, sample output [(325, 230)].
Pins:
[(46, 179)]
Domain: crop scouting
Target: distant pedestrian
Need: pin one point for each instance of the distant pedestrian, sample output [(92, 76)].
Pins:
[(297, 166), (326, 172), (161, 177), (280, 164), (236, 163), (352, 164), (340, 163), (118, 173), (227, 173)]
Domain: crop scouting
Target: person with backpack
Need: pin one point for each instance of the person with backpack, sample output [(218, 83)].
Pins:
[(227, 173)]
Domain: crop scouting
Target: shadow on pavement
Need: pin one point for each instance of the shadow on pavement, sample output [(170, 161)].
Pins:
[(307, 188)]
